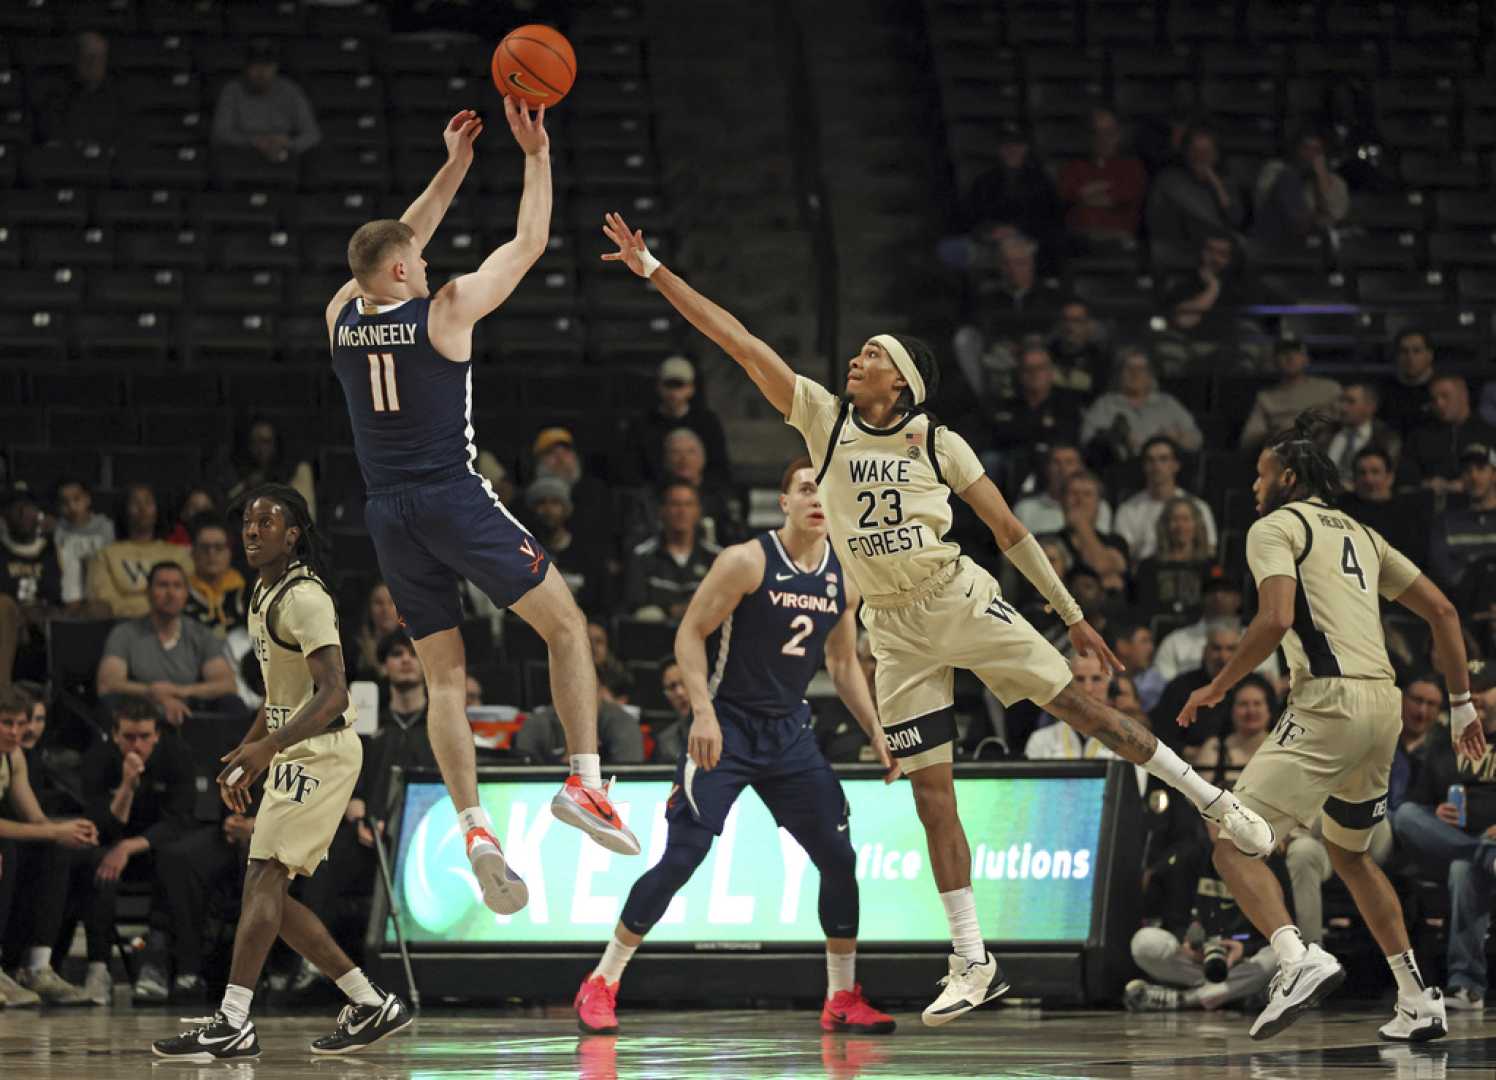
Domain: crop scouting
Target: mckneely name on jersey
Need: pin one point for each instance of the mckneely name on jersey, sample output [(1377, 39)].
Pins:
[(376, 334)]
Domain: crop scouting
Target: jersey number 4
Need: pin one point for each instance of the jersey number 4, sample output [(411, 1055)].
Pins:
[(1350, 565), (382, 382)]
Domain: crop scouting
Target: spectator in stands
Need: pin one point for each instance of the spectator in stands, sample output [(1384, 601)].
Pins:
[(1018, 290), (1044, 513), (1133, 643), (1138, 515), (602, 652), (686, 459), (1401, 520), (80, 534), (264, 110), (1190, 200), (1359, 428), (1221, 640), (543, 740), (176, 663), (555, 454), (473, 690), (1203, 303), (1135, 410), (33, 849), (1428, 825), (197, 502), (1016, 193), (1172, 580), (670, 735), (1220, 604), (1036, 415), (117, 574), (1422, 700), (30, 587), (1252, 706), (378, 621), (1276, 407), (1300, 195), (665, 570), (1434, 449), (261, 459), (217, 594), (1054, 740), (90, 108), (581, 558), (1461, 536), (1078, 343), (1405, 396), (1103, 553), (141, 791), (677, 407), (1103, 192), (53, 770)]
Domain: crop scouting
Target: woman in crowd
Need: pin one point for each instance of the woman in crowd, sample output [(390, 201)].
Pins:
[(1170, 581)]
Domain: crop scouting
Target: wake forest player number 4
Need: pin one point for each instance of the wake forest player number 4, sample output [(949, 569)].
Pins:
[(886, 472), (403, 357)]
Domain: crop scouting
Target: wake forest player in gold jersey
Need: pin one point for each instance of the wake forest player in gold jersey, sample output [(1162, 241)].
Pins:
[(1321, 576), (304, 736), (886, 472)]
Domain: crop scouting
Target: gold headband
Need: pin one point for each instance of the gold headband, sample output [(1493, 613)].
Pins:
[(904, 364)]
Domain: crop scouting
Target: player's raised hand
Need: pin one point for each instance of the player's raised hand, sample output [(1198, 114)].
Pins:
[(1087, 642), (461, 130), (1472, 741), (632, 251), (1208, 696), (528, 127), (704, 743)]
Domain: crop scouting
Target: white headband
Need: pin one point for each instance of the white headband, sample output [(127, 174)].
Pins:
[(903, 363)]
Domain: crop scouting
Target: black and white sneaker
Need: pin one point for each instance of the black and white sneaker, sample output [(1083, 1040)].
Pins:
[(968, 985), (364, 1025), (1294, 991), (215, 1040)]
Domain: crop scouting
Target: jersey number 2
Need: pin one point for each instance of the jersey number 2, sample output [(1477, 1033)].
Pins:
[(1350, 566), (382, 382), (803, 627)]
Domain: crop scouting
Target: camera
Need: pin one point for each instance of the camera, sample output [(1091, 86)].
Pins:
[(1216, 964)]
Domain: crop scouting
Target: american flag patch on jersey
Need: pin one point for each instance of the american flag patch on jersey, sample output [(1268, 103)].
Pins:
[(914, 438)]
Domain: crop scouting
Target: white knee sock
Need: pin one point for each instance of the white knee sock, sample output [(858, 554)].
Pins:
[(38, 957), (841, 972), (1288, 945), (966, 931), (359, 989), (235, 1007), (615, 958), (474, 817), (1405, 971), (1176, 772), (590, 768)]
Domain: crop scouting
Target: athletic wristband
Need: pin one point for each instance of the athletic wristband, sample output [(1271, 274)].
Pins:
[(1460, 699), (1034, 565), (1460, 718), (651, 264)]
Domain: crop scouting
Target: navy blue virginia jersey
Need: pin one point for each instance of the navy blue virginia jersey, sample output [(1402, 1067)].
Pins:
[(410, 406), (765, 653)]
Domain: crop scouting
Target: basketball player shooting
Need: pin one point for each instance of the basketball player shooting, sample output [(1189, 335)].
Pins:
[(404, 358), (885, 472)]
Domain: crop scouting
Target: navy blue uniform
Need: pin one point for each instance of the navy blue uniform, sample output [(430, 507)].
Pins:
[(760, 662), (433, 519)]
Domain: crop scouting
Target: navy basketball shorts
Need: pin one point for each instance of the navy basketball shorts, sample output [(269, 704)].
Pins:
[(428, 537), (777, 757)]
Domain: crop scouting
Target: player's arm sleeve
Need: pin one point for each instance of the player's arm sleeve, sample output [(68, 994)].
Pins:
[(958, 461), (1273, 547), (812, 413), (1397, 570), (307, 617)]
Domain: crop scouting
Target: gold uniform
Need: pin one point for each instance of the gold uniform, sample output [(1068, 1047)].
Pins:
[(308, 785), (1332, 748), (928, 609)]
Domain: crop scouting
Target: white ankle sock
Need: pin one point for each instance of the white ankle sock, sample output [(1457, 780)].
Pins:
[(1405, 971), (38, 957), (966, 931), (841, 972), (1176, 772), (359, 989), (474, 817), (590, 768), (615, 958), (235, 1007), (97, 967), (1288, 945)]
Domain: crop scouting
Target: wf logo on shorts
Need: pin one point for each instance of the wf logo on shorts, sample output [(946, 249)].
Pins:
[(295, 781)]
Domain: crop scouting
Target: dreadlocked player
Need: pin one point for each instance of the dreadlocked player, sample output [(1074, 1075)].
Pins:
[(304, 735), (1319, 573)]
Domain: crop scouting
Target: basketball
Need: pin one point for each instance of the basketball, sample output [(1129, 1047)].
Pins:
[(536, 64)]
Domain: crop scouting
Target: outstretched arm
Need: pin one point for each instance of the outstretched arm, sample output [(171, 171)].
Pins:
[(774, 378), (466, 299), (426, 213)]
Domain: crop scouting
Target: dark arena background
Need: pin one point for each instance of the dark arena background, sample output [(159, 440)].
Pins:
[(1139, 237)]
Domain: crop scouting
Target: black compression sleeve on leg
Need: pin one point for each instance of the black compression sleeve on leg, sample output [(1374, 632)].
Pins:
[(651, 895)]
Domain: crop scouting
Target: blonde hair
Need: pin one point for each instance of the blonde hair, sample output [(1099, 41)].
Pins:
[(1200, 549), (372, 245)]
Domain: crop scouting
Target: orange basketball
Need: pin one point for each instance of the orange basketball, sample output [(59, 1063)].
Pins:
[(536, 64)]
